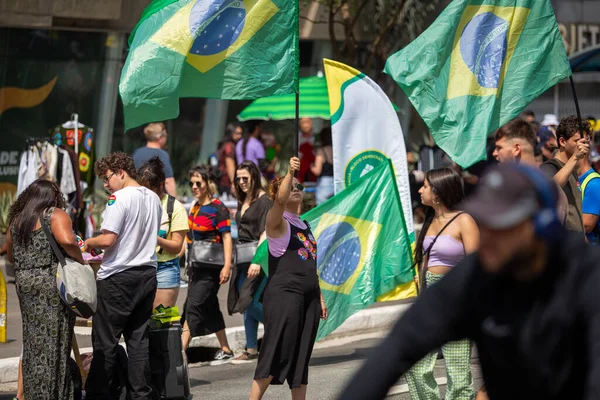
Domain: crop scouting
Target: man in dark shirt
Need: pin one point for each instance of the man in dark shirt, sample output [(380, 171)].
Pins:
[(563, 168), (156, 141), (529, 299)]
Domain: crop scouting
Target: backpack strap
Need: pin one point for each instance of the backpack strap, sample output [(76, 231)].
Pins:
[(596, 231), (170, 208), (587, 180)]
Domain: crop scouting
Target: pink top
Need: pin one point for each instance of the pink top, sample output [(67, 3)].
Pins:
[(278, 246), (446, 252)]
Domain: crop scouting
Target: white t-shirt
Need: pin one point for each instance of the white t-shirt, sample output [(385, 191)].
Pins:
[(134, 214)]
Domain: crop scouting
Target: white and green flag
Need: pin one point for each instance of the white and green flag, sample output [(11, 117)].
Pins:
[(365, 133)]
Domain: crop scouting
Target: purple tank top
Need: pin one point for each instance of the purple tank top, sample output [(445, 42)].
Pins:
[(446, 252), (278, 246)]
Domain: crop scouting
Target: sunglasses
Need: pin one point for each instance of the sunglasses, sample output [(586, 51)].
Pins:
[(298, 186), (192, 184), (244, 179)]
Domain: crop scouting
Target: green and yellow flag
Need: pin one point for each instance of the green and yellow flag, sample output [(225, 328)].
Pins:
[(477, 67), (224, 49), (363, 246)]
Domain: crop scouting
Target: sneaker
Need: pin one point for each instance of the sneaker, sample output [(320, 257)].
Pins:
[(245, 358), (221, 357)]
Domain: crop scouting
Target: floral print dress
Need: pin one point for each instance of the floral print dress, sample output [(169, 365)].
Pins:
[(47, 322)]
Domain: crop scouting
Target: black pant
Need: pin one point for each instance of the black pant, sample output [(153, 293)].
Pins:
[(124, 308)]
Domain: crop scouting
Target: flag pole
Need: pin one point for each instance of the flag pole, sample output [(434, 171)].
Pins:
[(297, 123), (577, 106)]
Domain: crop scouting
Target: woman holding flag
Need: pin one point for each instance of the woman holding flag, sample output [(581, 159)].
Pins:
[(292, 300), (446, 237)]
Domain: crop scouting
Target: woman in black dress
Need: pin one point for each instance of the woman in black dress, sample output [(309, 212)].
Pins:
[(248, 280), (292, 301)]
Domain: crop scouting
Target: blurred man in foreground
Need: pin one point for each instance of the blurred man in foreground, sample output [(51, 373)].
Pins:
[(529, 299)]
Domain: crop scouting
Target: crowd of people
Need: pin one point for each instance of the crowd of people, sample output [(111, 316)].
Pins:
[(513, 227), (145, 232)]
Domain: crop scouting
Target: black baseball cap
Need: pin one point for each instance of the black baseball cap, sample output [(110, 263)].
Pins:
[(506, 196)]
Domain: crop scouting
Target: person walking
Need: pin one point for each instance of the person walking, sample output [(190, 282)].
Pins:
[(248, 280), (209, 222), (323, 168), (173, 228), (156, 143), (226, 157), (126, 280), (47, 322), (292, 300), (446, 237), (250, 147), (528, 298)]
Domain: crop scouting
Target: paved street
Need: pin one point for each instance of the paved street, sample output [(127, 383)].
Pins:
[(330, 369)]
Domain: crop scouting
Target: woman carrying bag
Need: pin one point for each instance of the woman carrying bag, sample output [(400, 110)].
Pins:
[(47, 322), (248, 280), (210, 255)]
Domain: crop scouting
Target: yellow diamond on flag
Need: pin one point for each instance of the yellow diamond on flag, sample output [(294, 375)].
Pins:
[(209, 32), (345, 245), (484, 44)]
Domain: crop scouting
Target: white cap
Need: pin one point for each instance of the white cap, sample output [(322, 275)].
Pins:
[(550, 120)]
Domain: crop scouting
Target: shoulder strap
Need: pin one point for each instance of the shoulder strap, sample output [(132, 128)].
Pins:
[(426, 252), (170, 207), (53, 244), (587, 180)]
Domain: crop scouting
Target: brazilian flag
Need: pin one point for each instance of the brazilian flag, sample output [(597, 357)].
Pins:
[(363, 246), (222, 49), (477, 67)]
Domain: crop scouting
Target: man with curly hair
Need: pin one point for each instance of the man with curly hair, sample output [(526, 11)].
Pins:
[(564, 167), (126, 280)]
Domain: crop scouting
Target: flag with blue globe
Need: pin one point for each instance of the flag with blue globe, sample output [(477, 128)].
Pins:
[(477, 67), (363, 246), (224, 49)]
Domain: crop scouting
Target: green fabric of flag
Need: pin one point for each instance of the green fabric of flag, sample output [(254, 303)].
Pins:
[(477, 67), (223, 49), (363, 245)]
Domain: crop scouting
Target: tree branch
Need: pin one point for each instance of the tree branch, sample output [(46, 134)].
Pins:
[(332, 38), (313, 21), (399, 14), (358, 12)]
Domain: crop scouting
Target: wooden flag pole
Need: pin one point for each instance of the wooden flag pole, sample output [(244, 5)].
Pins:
[(577, 107)]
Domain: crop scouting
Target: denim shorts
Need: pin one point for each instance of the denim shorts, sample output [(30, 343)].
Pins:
[(168, 274)]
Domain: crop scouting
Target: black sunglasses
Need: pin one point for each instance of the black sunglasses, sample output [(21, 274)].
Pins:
[(298, 186), (244, 179), (192, 184)]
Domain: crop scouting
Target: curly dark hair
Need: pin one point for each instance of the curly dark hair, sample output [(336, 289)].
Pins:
[(29, 206), (274, 187), (569, 126), (152, 175), (206, 173), (115, 162)]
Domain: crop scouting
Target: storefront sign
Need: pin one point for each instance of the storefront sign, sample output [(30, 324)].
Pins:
[(578, 37)]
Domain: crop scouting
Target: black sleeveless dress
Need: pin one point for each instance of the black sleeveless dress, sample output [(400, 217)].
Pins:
[(292, 309)]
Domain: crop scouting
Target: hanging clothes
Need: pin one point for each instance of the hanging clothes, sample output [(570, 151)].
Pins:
[(27, 170), (68, 184), (85, 147)]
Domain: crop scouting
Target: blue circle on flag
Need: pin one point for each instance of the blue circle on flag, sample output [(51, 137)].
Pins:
[(216, 25), (483, 46), (339, 253)]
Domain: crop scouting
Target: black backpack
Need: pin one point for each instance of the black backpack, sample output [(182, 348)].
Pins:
[(170, 207)]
